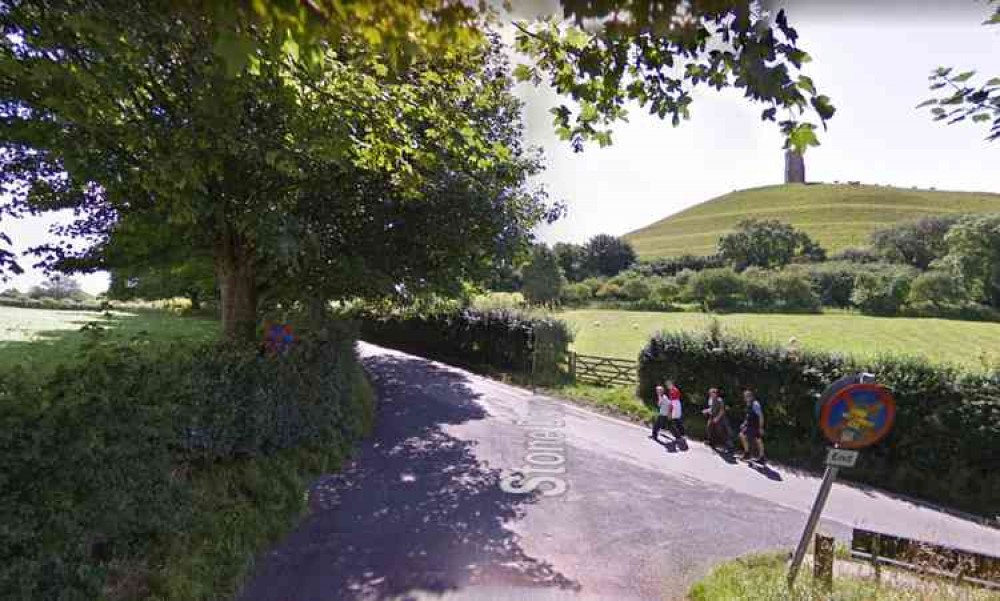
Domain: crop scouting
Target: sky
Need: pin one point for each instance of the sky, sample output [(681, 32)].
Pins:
[(872, 58)]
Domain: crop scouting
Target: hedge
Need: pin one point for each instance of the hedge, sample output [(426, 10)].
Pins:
[(502, 338), (97, 462), (944, 447)]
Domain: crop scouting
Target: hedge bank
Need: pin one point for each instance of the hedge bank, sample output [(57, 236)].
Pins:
[(944, 447), (501, 338), (105, 467)]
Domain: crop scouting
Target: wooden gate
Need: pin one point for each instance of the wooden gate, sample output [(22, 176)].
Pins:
[(605, 371)]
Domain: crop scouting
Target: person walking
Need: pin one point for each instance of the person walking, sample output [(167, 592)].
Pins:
[(663, 415), (676, 412), (717, 424), (752, 430)]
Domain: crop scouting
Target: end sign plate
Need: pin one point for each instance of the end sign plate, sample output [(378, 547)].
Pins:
[(841, 458)]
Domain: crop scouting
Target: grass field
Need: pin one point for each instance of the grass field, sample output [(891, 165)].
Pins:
[(624, 333), (38, 338), (837, 215)]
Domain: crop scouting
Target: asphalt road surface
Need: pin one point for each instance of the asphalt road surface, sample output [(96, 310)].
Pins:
[(448, 500)]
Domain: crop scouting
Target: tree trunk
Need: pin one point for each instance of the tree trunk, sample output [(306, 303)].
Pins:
[(238, 288)]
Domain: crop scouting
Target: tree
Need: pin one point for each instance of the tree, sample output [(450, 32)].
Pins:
[(543, 278), (8, 261), (918, 243), (59, 287), (304, 180), (767, 243), (974, 256), (572, 258), (938, 287), (607, 255), (193, 279), (656, 54), (614, 52), (960, 101), (720, 288)]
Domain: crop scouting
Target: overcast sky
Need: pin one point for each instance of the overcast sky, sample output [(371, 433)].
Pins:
[(872, 62)]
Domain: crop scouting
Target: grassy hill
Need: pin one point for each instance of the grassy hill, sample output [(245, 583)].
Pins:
[(837, 215)]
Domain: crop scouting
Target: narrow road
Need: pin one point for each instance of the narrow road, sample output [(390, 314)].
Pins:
[(471, 489)]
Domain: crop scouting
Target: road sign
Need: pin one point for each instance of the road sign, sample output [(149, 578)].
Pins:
[(278, 338), (841, 458), (857, 415)]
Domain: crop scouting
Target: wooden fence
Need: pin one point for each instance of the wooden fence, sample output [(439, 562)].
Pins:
[(604, 371)]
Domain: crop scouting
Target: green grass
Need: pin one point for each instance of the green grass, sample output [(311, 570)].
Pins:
[(40, 339), (623, 333), (838, 216), (762, 578)]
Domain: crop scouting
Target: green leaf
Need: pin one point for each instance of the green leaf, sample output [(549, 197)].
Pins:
[(806, 83), (995, 81), (576, 38), (930, 102), (981, 117), (802, 137), (234, 50), (823, 107), (524, 73), (963, 76)]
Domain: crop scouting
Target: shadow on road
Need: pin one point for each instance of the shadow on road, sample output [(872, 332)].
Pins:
[(416, 511)]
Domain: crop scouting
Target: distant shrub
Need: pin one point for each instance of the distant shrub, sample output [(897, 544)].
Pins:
[(576, 293), (683, 277), (882, 293), (610, 291), (937, 288), (636, 289), (793, 292), (666, 292), (717, 288), (594, 284), (671, 266), (757, 288), (856, 255)]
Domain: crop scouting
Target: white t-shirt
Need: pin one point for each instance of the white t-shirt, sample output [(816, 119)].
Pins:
[(676, 409), (664, 403)]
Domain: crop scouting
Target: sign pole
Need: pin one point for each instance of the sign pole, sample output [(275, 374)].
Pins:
[(800, 552)]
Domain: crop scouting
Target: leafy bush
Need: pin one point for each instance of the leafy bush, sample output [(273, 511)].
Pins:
[(947, 421), (938, 288), (636, 289), (594, 284), (576, 293), (757, 287), (856, 255), (666, 292), (673, 265), (916, 242), (610, 290), (834, 282), (717, 288), (68, 304), (793, 292), (120, 438), (501, 339), (881, 293)]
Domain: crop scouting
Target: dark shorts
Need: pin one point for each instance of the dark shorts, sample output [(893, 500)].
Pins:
[(751, 432)]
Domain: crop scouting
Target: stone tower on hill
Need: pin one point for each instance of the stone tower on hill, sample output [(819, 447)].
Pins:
[(795, 168)]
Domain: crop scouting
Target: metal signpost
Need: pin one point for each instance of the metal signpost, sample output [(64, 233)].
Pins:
[(853, 413)]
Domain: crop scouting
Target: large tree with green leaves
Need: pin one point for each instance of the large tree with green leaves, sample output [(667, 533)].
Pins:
[(960, 99), (974, 255), (342, 176), (607, 255), (543, 277), (767, 243), (602, 55), (605, 55)]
